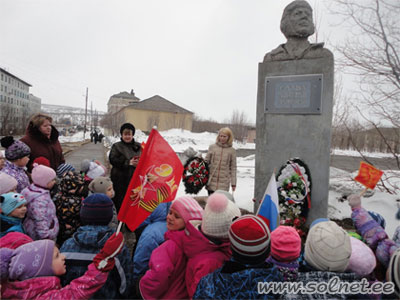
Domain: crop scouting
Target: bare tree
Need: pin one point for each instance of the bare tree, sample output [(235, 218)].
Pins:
[(371, 53), (239, 124)]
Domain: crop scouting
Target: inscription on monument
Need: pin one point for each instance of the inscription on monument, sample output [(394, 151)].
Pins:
[(299, 94)]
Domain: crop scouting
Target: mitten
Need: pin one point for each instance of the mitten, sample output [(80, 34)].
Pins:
[(104, 260), (354, 201)]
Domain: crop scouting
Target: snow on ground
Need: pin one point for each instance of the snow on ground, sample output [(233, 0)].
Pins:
[(341, 182)]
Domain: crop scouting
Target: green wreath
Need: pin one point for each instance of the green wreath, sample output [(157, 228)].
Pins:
[(195, 175)]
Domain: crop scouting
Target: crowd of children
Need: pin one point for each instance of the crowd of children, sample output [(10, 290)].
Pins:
[(58, 240)]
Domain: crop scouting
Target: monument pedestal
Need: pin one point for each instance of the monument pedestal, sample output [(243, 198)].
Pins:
[(294, 119)]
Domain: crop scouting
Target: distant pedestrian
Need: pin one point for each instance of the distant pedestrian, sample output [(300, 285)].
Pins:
[(124, 157), (95, 137), (42, 137)]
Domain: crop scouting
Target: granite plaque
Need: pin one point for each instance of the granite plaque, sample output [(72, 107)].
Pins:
[(298, 94)]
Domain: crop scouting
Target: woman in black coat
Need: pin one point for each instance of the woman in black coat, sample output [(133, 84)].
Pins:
[(124, 157)]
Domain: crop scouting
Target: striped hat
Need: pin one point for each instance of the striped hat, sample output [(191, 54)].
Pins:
[(250, 238), (188, 208), (64, 168)]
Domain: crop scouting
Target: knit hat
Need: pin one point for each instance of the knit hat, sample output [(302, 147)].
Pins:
[(394, 271), (41, 160), (100, 185), (64, 168), (378, 218), (227, 194), (42, 175), (328, 247), (7, 183), (362, 259), (316, 221), (127, 126), (13, 240), (15, 149), (218, 216), (31, 260), (250, 238), (95, 170), (11, 201), (97, 209), (188, 208), (285, 244), (85, 164)]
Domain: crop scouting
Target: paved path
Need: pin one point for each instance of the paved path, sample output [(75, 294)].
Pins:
[(89, 151)]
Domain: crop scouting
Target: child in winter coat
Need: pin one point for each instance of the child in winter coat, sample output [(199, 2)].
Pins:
[(17, 155), (285, 251), (206, 243), (71, 191), (150, 238), (92, 169), (13, 210), (124, 157), (32, 271), (96, 213), (165, 278), (41, 220), (238, 278), (373, 234), (7, 183)]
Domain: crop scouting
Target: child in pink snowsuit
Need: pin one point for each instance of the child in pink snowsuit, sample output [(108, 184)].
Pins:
[(165, 278)]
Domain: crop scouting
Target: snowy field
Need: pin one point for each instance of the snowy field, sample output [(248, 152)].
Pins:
[(340, 181)]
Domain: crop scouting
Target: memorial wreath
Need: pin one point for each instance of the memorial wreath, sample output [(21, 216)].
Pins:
[(195, 175), (294, 191)]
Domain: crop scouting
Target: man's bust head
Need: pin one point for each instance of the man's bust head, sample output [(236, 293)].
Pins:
[(297, 20)]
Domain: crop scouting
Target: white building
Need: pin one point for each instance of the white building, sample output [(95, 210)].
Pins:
[(16, 104)]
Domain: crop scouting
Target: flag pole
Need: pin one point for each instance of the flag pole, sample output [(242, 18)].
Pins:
[(363, 192), (119, 227)]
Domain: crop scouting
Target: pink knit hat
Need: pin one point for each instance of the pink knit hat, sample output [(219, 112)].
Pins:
[(42, 175), (362, 259), (7, 183), (188, 208), (285, 244)]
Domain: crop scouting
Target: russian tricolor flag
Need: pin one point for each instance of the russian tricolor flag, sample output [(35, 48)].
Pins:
[(269, 206)]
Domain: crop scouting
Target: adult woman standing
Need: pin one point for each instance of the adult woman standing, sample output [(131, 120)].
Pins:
[(124, 157), (221, 158), (42, 137)]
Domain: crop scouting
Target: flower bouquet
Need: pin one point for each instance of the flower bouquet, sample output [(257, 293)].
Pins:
[(195, 175)]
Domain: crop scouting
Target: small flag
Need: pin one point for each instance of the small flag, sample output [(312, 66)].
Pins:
[(269, 207), (368, 175), (155, 180)]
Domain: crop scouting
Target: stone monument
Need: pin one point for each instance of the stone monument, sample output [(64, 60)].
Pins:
[(294, 107)]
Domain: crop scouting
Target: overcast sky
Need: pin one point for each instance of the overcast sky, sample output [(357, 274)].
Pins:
[(201, 55)]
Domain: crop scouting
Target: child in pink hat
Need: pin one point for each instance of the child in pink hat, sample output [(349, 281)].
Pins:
[(31, 271), (41, 221), (285, 251), (165, 278)]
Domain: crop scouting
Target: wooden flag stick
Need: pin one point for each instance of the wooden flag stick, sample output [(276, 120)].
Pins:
[(363, 192), (119, 228)]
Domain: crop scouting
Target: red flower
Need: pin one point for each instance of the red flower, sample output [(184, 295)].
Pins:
[(297, 222)]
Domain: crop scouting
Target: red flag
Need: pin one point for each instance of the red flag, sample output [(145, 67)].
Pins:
[(156, 180), (368, 175)]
